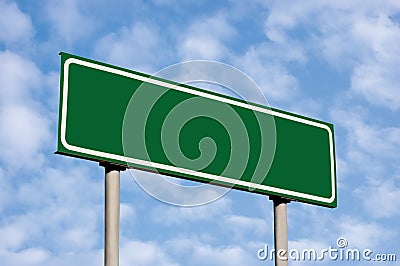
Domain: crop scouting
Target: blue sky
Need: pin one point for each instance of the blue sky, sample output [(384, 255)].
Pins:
[(337, 61)]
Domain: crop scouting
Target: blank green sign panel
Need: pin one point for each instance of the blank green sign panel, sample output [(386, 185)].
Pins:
[(110, 114)]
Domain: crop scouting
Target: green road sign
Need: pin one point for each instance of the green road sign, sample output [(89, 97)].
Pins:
[(110, 114)]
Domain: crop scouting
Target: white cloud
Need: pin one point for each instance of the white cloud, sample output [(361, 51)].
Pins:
[(65, 209), (127, 212), (202, 47), (137, 46), (15, 26), (206, 38), (67, 21), (378, 83), (25, 257), (22, 137), (312, 222), (342, 170), (41, 256), (301, 247), (63, 187), (19, 78), (170, 190), (93, 257), (372, 152), (359, 232), (200, 253), (368, 137), (144, 253), (230, 255), (175, 215), (271, 76), (26, 127), (5, 190), (363, 234), (285, 16), (244, 227), (379, 197), (12, 236), (361, 37), (51, 90), (376, 77)]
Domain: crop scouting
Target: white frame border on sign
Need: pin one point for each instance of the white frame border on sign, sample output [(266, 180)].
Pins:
[(210, 177)]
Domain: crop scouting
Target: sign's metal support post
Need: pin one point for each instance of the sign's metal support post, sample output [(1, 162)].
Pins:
[(111, 214), (280, 231)]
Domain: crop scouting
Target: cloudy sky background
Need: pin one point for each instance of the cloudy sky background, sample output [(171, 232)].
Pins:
[(338, 61)]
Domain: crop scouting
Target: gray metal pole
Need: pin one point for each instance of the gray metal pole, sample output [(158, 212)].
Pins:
[(280, 231), (111, 215)]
